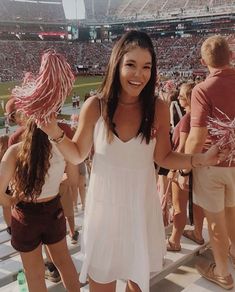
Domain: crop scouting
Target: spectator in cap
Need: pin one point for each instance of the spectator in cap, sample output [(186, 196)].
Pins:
[(15, 116)]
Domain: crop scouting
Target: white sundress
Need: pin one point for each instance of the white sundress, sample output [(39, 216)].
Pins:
[(123, 233)]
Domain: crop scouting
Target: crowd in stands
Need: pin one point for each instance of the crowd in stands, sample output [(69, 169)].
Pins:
[(26, 56), (178, 53), (32, 11), (181, 54), (173, 54)]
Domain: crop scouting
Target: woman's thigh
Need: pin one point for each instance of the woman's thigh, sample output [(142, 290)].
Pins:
[(98, 287), (33, 260), (59, 254), (34, 269), (132, 287)]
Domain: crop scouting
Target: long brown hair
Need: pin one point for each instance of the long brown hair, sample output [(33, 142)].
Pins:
[(32, 162), (187, 89), (111, 86), (3, 145)]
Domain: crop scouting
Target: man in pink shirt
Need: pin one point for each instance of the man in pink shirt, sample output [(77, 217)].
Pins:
[(214, 187)]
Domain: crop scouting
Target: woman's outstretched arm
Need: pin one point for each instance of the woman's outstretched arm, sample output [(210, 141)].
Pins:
[(76, 150), (169, 159)]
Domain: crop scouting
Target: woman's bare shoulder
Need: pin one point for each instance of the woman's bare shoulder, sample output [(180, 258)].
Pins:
[(16, 147), (91, 109), (92, 103), (12, 152)]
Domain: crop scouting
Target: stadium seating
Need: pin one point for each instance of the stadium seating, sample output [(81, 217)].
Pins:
[(10, 262), (174, 54), (138, 9), (101, 8), (33, 10)]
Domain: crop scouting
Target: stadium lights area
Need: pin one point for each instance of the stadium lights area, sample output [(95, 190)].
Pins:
[(43, 2)]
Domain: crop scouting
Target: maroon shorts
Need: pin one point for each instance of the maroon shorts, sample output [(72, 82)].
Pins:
[(36, 223)]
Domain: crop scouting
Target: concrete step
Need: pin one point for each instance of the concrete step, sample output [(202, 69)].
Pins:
[(10, 266), (52, 287), (58, 287), (10, 261), (173, 260), (13, 287), (203, 285), (4, 236)]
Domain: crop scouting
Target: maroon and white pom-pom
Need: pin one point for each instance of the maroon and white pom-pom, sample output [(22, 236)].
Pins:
[(222, 131), (44, 94)]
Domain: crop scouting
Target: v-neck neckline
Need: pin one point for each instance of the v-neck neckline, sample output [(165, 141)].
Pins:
[(125, 142)]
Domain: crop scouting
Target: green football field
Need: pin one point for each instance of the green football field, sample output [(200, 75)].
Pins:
[(81, 87)]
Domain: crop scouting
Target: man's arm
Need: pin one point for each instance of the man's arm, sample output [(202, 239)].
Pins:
[(196, 140)]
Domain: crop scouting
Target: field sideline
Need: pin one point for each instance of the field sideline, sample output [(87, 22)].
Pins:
[(82, 86)]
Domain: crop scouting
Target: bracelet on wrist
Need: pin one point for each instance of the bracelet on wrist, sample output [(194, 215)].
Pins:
[(182, 173), (59, 139)]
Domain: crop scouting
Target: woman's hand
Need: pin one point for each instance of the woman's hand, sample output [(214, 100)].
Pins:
[(50, 127), (213, 156)]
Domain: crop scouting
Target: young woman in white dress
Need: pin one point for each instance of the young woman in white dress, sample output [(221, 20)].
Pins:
[(123, 232)]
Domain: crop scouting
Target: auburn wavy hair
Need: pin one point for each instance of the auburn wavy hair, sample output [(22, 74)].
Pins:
[(110, 87), (3, 145), (187, 90), (32, 163)]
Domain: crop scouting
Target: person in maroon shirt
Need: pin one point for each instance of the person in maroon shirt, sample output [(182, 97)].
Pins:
[(180, 194), (213, 187)]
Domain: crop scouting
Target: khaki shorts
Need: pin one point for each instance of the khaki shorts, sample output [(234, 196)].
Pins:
[(66, 199), (214, 187)]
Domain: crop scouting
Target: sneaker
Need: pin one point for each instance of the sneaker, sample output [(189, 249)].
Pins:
[(8, 229), (206, 270), (51, 273), (74, 238)]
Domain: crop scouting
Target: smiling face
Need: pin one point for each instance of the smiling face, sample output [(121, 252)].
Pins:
[(134, 72)]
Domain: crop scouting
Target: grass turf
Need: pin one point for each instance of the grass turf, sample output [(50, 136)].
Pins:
[(82, 86)]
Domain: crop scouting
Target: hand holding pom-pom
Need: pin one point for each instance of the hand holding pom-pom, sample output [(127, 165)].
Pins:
[(40, 96)]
